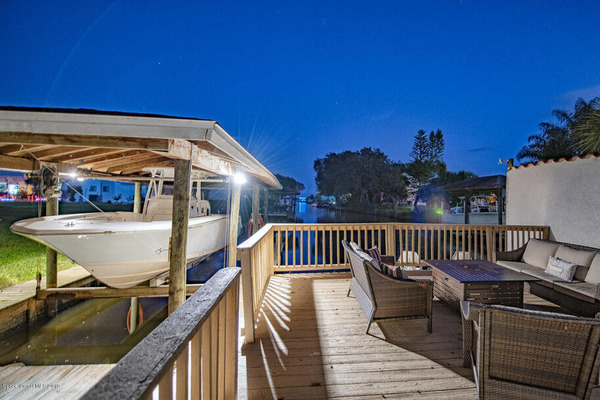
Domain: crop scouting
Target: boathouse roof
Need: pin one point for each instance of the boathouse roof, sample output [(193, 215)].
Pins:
[(108, 145), (483, 183)]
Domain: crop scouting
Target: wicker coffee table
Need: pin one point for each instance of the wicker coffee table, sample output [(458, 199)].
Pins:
[(479, 281)]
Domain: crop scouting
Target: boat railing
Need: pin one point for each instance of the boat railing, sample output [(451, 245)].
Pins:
[(317, 248), (196, 345)]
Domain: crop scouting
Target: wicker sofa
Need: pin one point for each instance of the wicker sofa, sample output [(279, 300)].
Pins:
[(524, 354), (384, 297), (580, 296)]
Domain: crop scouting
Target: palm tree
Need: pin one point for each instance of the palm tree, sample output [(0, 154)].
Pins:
[(576, 133), (586, 132)]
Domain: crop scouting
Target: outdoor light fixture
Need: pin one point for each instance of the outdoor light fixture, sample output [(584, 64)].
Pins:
[(73, 174), (239, 178)]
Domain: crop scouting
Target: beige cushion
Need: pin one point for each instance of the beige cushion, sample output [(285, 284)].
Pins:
[(582, 258), (537, 252), (514, 265), (593, 275)]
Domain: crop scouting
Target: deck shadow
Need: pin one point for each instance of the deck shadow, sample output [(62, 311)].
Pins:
[(443, 346), (285, 360)]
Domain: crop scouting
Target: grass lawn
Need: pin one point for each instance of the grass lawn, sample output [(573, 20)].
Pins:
[(22, 258)]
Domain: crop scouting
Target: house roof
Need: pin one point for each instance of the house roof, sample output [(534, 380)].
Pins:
[(483, 183), (120, 145)]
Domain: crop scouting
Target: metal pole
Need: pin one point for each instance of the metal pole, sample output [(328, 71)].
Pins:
[(137, 198), (51, 256), (255, 208)]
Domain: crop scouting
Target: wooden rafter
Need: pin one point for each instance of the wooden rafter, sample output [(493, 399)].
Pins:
[(87, 153), (27, 150), (53, 152), (85, 140), (138, 167), (113, 159), (141, 159)]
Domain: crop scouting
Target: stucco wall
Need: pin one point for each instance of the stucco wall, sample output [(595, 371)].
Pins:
[(563, 195)]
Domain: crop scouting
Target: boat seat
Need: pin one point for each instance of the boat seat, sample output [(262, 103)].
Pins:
[(159, 209)]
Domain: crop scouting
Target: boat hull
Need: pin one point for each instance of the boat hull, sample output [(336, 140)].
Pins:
[(119, 250)]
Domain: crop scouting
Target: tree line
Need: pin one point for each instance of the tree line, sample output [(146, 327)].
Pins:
[(368, 177)]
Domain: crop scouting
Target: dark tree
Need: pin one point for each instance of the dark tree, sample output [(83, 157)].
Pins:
[(574, 133)]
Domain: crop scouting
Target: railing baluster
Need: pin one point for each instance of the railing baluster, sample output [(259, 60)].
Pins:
[(195, 367), (181, 375), (165, 387)]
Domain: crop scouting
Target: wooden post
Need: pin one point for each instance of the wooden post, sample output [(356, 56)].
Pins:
[(179, 230), (51, 256), (137, 198), (255, 207), (266, 205), (236, 194)]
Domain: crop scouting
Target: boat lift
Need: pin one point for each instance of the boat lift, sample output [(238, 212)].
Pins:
[(125, 146)]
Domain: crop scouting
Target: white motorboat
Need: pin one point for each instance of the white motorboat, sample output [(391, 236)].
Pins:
[(122, 249)]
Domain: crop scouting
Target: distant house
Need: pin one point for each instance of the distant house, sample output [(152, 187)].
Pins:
[(97, 190), (14, 187)]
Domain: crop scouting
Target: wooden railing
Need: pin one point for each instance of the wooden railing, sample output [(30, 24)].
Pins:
[(196, 345), (257, 258), (317, 247), (310, 247)]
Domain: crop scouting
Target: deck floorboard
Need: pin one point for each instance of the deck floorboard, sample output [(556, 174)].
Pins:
[(311, 343)]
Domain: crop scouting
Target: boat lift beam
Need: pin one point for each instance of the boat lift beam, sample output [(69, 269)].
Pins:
[(108, 292)]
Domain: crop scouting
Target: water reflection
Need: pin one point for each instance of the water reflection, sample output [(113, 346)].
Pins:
[(306, 213)]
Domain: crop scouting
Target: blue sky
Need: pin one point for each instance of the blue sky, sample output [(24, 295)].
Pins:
[(293, 81)]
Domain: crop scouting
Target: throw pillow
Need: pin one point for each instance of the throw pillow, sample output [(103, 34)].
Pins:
[(375, 253), (561, 268), (392, 270)]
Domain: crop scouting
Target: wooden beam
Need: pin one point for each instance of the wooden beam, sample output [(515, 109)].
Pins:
[(202, 159), (119, 142), (108, 292), (236, 194), (179, 231)]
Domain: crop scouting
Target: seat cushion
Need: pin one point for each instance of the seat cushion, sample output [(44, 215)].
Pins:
[(513, 265), (545, 278), (538, 252), (593, 275), (583, 258)]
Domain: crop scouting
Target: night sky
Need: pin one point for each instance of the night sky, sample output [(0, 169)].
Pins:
[(293, 81)]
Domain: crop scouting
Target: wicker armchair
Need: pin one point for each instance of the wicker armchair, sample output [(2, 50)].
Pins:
[(522, 354), (383, 297)]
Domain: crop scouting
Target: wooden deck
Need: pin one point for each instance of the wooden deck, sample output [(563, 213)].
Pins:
[(311, 343), (49, 382)]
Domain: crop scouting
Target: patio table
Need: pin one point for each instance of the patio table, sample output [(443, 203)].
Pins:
[(479, 281)]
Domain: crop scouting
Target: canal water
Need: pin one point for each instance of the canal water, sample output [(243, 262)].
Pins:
[(94, 331)]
